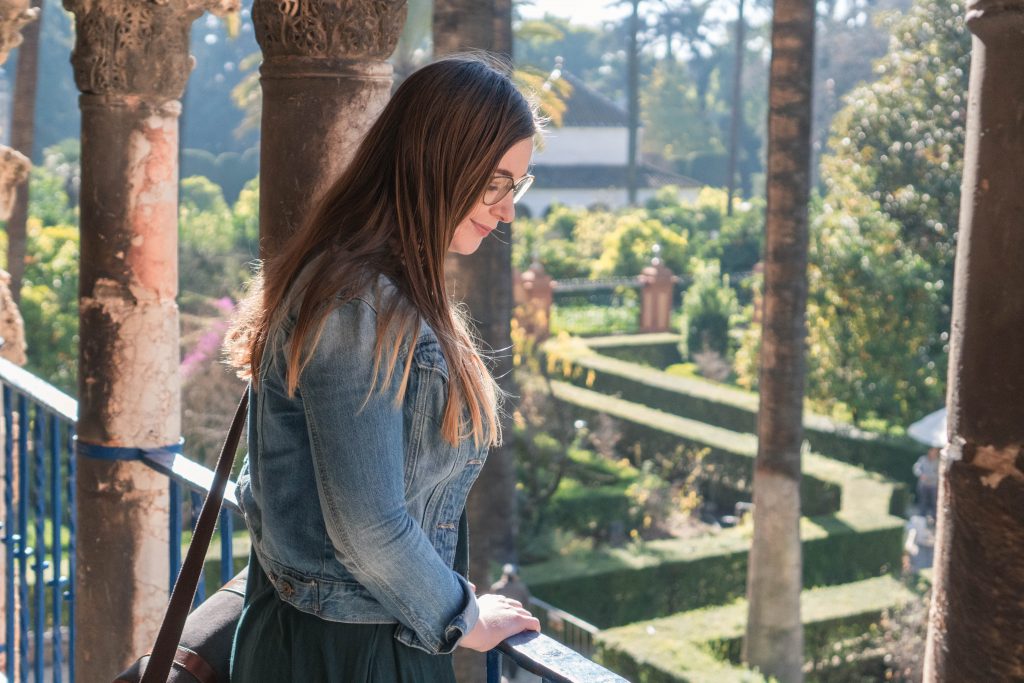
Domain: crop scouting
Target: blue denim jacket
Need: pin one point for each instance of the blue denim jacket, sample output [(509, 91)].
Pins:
[(354, 516)]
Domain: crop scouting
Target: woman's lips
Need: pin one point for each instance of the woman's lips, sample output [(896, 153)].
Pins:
[(482, 228)]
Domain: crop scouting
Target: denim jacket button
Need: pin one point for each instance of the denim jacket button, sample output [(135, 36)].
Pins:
[(286, 588)]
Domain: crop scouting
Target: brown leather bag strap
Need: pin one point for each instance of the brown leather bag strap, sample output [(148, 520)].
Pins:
[(184, 592), (194, 664)]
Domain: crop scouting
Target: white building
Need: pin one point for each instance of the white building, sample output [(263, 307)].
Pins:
[(584, 162)]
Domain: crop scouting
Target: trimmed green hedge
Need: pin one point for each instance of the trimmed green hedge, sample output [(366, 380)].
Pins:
[(588, 510), (616, 586), (656, 350), (826, 486), (704, 645), (723, 406)]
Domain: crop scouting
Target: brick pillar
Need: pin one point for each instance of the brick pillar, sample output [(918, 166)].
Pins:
[(656, 296), (324, 80), (538, 295), (976, 625), (131, 63)]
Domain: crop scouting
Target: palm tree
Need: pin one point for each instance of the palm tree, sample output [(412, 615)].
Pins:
[(22, 138), (774, 635), (734, 123), (633, 101)]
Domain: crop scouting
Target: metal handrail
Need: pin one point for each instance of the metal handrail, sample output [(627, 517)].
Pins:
[(50, 416), (566, 628)]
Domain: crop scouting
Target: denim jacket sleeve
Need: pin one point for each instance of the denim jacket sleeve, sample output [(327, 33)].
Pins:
[(359, 465)]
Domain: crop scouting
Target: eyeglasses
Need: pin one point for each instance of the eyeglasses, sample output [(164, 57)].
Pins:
[(501, 185)]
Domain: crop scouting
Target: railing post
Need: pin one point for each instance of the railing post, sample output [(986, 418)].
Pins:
[(656, 296), (131, 63)]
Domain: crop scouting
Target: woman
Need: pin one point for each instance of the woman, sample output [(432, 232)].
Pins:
[(371, 411)]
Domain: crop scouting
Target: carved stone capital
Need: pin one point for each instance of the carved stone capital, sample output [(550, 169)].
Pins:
[(12, 326), (339, 29), (13, 15), (136, 47), (14, 168)]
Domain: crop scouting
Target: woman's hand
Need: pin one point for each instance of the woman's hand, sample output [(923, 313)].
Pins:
[(500, 617)]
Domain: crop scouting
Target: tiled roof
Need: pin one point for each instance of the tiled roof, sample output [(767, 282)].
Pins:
[(587, 107), (593, 176)]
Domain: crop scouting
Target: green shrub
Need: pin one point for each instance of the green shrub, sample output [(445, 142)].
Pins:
[(708, 307), (732, 409), (655, 350), (616, 586), (704, 645), (628, 249)]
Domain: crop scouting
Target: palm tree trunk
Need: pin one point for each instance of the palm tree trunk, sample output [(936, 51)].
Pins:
[(633, 102), (483, 281), (22, 138), (774, 636), (737, 108), (976, 625)]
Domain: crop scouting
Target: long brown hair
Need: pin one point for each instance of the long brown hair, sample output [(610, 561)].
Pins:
[(418, 173)]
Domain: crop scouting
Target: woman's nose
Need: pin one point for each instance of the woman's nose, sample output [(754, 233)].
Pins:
[(505, 210)]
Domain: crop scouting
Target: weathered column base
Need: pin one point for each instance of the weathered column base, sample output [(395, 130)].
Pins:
[(979, 609), (123, 569)]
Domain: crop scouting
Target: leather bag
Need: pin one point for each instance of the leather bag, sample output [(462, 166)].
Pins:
[(196, 647)]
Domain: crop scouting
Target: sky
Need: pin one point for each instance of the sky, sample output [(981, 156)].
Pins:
[(591, 12)]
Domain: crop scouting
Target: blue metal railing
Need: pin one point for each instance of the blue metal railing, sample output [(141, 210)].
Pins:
[(33, 408), (39, 423)]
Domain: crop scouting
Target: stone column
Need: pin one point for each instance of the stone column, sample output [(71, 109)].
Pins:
[(131, 63), (976, 625), (324, 80), (656, 296)]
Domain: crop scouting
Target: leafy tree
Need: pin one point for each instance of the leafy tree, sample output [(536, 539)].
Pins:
[(675, 124), (584, 49), (49, 303), (212, 253), (629, 247), (885, 240), (872, 314), (900, 140), (246, 216), (220, 46), (49, 202)]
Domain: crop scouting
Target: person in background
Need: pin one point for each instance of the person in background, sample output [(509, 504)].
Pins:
[(926, 469)]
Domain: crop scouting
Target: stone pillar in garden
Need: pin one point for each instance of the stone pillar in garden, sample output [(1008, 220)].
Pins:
[(538, 295), (657, 284), (131, 63)]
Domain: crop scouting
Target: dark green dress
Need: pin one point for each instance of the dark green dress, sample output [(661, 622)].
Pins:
[(277, 643)]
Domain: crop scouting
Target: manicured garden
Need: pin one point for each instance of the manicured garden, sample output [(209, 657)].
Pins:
[(671, 607)]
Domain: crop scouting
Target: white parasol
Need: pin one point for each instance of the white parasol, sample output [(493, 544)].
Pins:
[(930, 430)]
